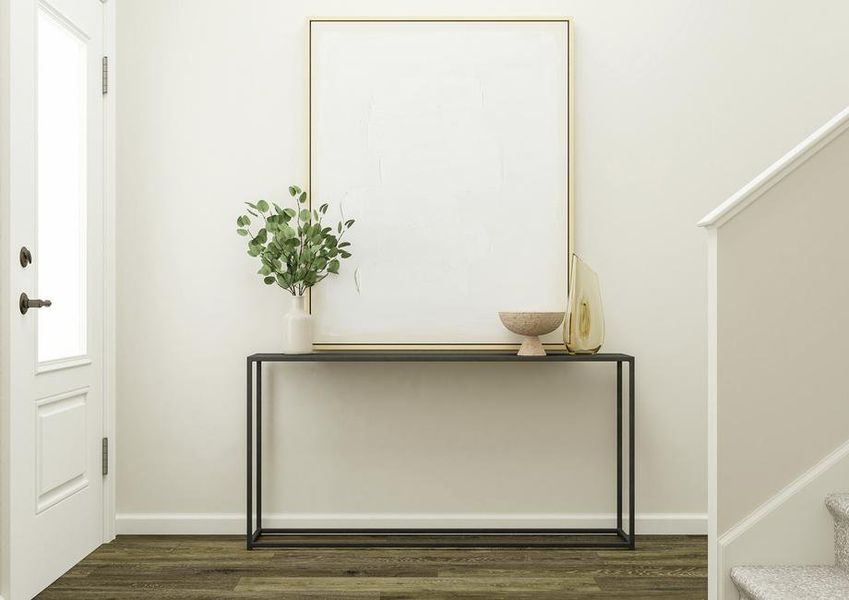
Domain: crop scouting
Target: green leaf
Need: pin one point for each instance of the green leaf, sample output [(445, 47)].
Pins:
[(262, 206), (305, 215), (344, 254), (253, 213), (293, 191), (339, 227), (269, 280), (302, 198), (242, 231), (323, 208), (290, 212), (251, 204), (333, 266), (349, 222), (344, 244)]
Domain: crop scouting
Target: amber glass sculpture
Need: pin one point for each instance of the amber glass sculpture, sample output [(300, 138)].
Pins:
[(583, 327)]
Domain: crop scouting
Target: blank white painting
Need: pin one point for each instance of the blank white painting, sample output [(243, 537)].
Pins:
[(448, 143)]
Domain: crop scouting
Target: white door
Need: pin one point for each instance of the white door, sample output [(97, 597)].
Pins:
[(55, 199)]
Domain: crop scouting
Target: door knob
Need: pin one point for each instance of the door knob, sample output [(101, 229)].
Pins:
[(27, 303)]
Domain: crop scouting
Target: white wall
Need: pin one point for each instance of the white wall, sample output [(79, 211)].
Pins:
[(677, 104)]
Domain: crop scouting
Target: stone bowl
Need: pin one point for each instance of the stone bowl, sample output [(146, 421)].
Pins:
[(531, 325)]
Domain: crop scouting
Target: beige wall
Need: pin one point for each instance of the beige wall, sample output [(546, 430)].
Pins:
[(677, 104), (783, 325)]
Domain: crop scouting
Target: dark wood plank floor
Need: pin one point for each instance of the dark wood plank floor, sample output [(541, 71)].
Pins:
[(195, 567)]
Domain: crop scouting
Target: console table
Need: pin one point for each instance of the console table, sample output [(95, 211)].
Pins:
[(265, 537)]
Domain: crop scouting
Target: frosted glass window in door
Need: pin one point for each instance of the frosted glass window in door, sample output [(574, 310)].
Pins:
[(60, 257)]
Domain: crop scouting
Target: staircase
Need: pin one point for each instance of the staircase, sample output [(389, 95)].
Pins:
[(803, 582)]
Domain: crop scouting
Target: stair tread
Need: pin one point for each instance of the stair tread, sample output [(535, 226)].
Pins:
[(838, 505), (792, 582)]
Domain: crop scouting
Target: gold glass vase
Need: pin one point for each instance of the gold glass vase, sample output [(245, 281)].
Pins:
[(583, 327)]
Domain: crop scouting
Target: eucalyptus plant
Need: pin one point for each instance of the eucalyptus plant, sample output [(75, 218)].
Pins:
[(295, 248)]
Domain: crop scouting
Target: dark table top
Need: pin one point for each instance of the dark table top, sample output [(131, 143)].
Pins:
[(435, 356)]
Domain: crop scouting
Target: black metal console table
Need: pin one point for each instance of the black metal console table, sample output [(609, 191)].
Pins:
[(265, 537)]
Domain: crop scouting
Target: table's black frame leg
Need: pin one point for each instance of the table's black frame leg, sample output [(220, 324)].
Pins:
[(630, 537), (632, 471), (259, 446), (249, 539), (254, 533), (254, 393), (619, 450)]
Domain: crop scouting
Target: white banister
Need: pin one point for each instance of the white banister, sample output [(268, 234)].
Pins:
[(777, 171)]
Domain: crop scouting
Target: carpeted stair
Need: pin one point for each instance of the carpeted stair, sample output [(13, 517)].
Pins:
[(803, 583)]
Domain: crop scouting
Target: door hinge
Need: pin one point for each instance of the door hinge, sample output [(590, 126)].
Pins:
[(105, 456), (105, 74)]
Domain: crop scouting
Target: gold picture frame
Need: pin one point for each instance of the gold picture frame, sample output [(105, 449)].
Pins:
[(570, 187)]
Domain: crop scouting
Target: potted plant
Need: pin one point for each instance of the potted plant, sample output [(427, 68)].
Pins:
[(296, 251)]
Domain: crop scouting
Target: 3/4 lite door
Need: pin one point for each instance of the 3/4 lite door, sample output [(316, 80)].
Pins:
[(56, 331)]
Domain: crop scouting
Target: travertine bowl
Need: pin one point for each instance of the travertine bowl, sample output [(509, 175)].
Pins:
[(531, 325)]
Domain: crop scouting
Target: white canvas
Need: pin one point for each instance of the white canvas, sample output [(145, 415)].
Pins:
[(448, 142)]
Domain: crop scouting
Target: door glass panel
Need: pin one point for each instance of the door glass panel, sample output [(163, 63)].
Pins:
[(62, 190)]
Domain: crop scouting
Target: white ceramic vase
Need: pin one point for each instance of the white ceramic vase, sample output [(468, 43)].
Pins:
[(297, 328)]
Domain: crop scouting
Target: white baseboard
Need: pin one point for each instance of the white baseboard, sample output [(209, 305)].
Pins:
[(234, 523)]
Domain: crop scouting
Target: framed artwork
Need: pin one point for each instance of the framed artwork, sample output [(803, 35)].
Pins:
[(449, 142)]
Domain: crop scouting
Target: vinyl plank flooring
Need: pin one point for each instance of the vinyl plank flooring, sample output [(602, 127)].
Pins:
[(218, 567)]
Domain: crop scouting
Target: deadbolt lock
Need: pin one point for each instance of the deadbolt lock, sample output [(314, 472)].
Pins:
[(26, 256)]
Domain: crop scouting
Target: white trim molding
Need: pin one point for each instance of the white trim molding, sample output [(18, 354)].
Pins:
[(796, 512), (109, 270), (793, 488), (712, 430), (778, 171), (234, 523)]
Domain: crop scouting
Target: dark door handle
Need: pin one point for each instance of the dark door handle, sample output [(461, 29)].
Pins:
[(27, 303)]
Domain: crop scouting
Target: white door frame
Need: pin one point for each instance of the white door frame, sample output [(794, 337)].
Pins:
[(7, 295), (109, 264)]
